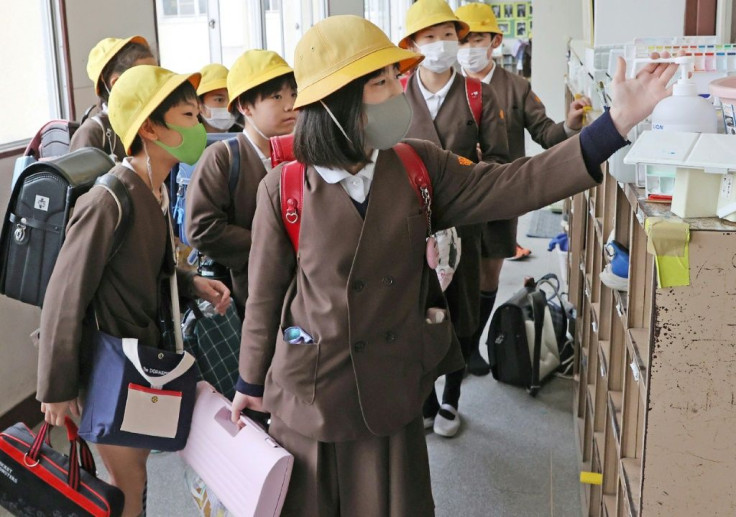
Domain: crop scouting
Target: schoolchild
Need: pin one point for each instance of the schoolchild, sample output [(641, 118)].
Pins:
[(261, 87), (106, 62), (345, 392), (155, 113), (442, 115), (523, 110), (214, 101)]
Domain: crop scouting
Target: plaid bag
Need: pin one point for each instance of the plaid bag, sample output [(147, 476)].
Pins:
[(214, 341)]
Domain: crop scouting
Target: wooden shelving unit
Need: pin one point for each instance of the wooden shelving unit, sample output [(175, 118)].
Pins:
[(655, 369)]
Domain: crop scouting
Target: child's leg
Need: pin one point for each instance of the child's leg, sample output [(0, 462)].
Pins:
[(127, 469)]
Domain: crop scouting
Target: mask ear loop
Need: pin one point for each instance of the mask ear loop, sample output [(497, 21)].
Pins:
[(334, 119), (249, 120), (149, 169)]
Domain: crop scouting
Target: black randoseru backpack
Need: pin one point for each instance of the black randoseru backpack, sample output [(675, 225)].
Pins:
[(38, 212)]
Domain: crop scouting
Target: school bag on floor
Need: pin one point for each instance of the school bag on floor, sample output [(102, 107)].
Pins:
[(39, 210), (525, 341)]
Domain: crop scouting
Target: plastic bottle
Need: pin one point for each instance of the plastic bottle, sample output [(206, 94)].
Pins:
[(685, 110)]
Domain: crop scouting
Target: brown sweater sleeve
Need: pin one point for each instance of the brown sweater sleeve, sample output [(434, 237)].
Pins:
[(209, 201), (73, 283)]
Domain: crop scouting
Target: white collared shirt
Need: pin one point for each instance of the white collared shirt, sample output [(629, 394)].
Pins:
[(265, 159), (434, 100), (357, 185), (489, 75)]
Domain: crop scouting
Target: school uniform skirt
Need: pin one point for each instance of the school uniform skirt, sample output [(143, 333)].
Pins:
[(371, 477), (498, 239)]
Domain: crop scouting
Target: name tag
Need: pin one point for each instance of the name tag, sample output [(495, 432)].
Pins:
[(151, 411)]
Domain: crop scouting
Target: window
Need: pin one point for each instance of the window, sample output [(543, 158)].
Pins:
[(389, 16), (31, 86), (183, 7)]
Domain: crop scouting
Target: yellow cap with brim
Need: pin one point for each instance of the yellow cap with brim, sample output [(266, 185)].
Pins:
[(138, 92), (214, 77), (426, 13), (254, 68), (479, 17), (102, 53), (340, 49)]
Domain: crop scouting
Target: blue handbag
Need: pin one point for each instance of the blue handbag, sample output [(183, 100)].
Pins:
[(138, 396)]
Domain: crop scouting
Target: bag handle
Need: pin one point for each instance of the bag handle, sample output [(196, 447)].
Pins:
[(32, 457), (538, 302), (130, 349)]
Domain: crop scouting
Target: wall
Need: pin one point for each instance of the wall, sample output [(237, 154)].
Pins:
[(555, 22), (355, 7), (111, 19)]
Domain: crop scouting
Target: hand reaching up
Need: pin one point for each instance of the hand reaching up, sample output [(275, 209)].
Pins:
[(634, 99)]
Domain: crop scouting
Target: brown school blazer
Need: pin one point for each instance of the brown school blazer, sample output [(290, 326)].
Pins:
[(91, 134), (218, 221), (454, 129), (123, 290), (524, 110), (361, 288)]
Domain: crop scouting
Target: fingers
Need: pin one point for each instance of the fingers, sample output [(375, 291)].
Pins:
[(620, 75), (240, 402), (74, 407), (668, 73)]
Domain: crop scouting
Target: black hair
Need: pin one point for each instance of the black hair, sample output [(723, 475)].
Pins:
[(183, 93), (124, 59), (465, 39), (265, 90), (318, 140)]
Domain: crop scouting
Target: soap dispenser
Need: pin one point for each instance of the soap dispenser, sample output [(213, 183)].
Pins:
[(685, 110)]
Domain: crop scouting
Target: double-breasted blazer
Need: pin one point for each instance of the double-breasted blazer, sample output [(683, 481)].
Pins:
[(455, 130), (361, 287), (218, 222)]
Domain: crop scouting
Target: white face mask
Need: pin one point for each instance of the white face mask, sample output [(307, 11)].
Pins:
[(439, 56), (220, 118), (473, 59)]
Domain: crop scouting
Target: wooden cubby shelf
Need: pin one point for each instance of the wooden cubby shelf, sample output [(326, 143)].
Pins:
[(655, 368)]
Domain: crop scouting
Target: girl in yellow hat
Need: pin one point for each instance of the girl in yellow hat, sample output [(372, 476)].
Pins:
[(214, 100), (155, 113), (344, 338), (218, 221), (106, 62), (523, 110)]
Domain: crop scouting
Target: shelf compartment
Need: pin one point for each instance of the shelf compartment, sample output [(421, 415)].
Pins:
[(630, 475), (615, 407), (609, 506), (621, 305)]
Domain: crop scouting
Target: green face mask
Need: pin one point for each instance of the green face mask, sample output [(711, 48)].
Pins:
[(193, 142)]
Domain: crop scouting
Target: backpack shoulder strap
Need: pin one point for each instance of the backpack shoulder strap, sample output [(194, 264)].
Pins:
[(119, 193), (538, 303), (292, 197), (234, 175), (415, 169), (474, 94)]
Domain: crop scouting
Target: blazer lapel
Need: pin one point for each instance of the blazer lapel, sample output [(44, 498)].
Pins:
[(422, 125)]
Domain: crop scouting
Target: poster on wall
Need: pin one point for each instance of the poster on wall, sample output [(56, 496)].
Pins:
[(514, 18)]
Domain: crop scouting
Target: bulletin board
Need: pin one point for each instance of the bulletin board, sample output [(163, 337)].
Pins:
[(514, 18)]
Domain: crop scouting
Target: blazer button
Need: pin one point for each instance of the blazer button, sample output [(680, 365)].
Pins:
[(358, 286), (388, 280), (390, 337), (471, 122), (359, 346)]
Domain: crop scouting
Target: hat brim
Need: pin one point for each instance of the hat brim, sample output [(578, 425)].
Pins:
[(113, 52), (210, 86), (381, 58), (168, 87), (240, 89), (437, 19), (481, 27)]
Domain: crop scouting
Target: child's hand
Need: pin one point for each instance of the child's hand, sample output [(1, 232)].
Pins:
[(634, 99), (214, 292), (54, 412), (242, 401), (576, 113)]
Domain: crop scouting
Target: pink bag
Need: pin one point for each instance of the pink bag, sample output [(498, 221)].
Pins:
[(247, 470)]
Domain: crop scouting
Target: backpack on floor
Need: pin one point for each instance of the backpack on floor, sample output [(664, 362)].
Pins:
[(39, 210), (528, 336)]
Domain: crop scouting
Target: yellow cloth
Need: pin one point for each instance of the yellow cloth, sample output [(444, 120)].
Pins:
[(669, 243)]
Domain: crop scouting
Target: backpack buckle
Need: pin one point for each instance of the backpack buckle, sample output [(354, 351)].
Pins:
[(292, 215)]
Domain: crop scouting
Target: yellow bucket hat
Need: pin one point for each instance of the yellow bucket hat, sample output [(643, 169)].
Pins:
[(102, 53), (339, 49), (253, 68), (137, 93), (426, 13), (479, 17), (214, 77)]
